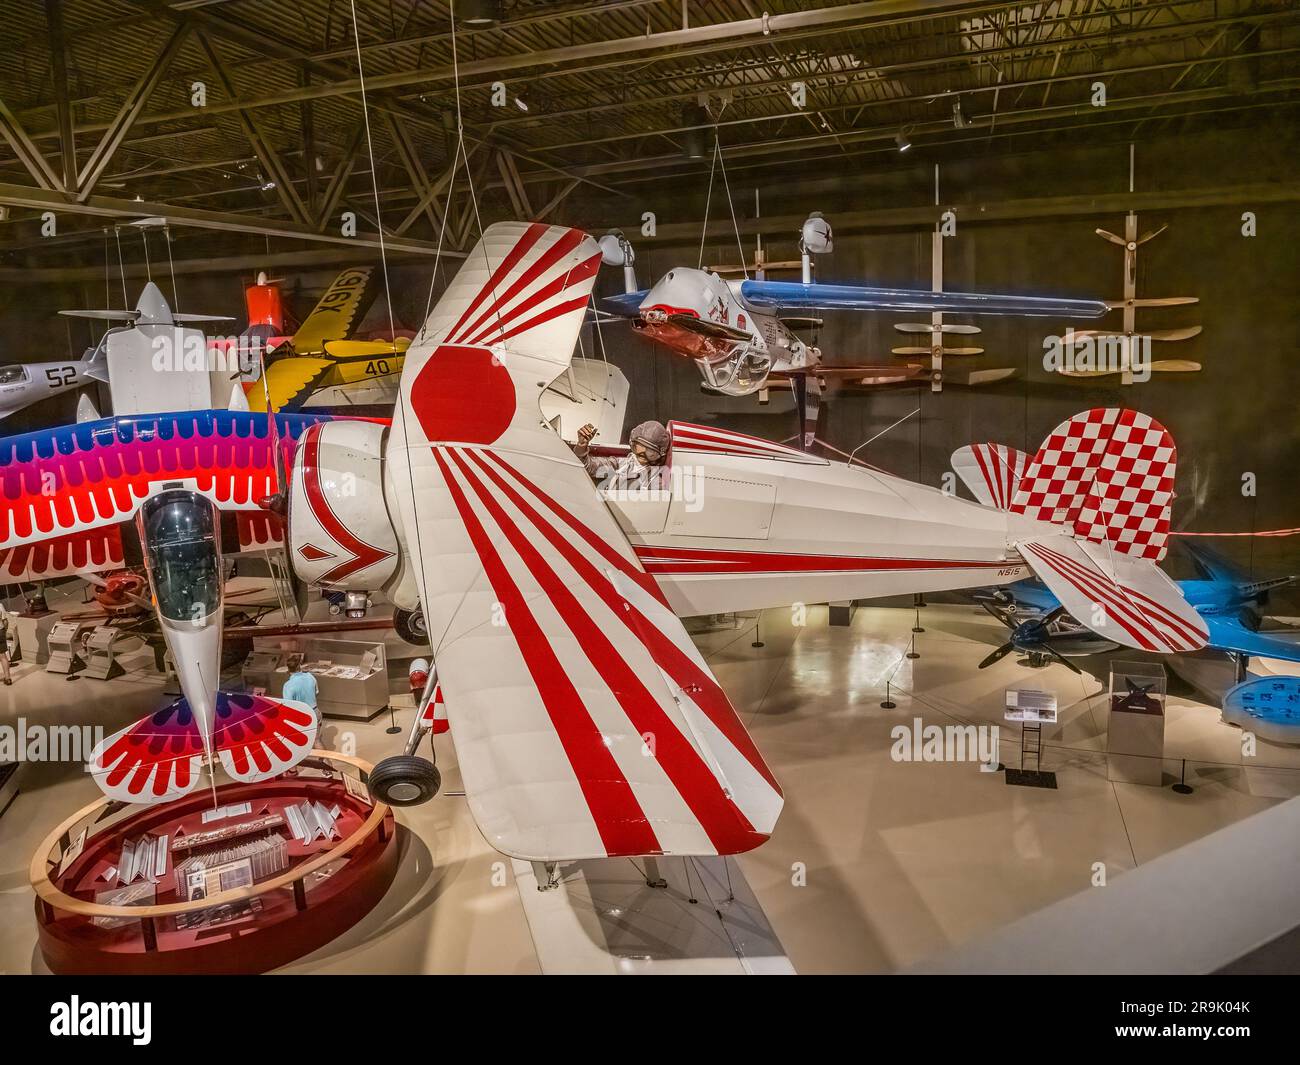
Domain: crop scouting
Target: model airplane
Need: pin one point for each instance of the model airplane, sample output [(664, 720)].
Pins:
[(321, 365), (1044, 636), (586, 723), (736, 332), (25, 383)]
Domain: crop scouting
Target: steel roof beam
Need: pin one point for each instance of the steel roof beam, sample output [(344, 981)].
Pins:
[(112, 207), (129, 112)]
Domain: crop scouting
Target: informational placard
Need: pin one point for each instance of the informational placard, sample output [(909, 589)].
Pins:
[(1031, 706)]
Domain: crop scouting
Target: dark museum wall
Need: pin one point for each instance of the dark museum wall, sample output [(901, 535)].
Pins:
[(1237, 416)]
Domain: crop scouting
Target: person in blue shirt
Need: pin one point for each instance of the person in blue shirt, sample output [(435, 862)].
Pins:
[(301, 686)]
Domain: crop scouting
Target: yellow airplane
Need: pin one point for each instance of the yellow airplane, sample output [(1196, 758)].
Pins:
[(320, 356)]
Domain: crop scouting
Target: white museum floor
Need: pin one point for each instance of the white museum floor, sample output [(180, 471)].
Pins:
[(875, 863)]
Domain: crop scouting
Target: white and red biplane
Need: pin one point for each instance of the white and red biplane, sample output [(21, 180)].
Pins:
[(586, 722)]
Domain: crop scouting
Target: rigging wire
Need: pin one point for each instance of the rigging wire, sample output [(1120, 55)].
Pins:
[(171, 266), (121, 267), (740, 247), (374, 180), (708, 200)]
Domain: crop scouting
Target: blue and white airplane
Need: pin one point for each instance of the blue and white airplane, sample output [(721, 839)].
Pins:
[(735, 329), (1230, 604)]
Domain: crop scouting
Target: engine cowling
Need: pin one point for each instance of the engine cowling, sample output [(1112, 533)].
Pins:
[(340, 532)]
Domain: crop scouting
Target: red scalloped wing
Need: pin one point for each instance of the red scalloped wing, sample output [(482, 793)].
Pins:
[(160, 756)]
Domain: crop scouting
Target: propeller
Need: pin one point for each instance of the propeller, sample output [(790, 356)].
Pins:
[(918, 350), (1131, 245), (738, 270), (1156, 301), (1158, 365), (920, 327), (1184, 333), (1032, 636)]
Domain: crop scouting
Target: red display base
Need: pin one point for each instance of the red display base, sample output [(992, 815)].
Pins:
[(328, 887)]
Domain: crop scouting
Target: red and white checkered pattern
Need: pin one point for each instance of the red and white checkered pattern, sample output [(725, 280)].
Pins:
[(1109, 475)]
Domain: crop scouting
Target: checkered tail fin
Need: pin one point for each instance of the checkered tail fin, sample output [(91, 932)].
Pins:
[(1107, 475)]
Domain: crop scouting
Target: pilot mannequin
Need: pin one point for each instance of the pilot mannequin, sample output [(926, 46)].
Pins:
[(645, 466)]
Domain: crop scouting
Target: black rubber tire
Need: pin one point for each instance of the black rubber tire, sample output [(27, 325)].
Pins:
[(411, 628), (404, 769)]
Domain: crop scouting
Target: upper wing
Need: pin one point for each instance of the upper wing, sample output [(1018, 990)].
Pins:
[(585, 721), (337, 312), (76, 478), (792, 295)]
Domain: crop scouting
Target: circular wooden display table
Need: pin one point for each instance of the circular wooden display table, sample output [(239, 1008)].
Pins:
[(328, 886)]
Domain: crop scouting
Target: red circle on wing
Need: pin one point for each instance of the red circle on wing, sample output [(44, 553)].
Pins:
[(463, 395)]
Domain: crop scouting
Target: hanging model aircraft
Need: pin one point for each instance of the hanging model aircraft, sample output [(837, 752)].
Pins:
[(25, 383), (320, 365), (735, 333), (22, 384), (586, 723)]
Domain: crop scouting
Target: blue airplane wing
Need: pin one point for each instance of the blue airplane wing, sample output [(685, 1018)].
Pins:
[(1229, 634), (626, 304), (1210, 564), (791, 295)]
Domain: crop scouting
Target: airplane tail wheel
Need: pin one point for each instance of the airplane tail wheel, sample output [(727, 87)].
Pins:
[(411, 627), (404, 780)]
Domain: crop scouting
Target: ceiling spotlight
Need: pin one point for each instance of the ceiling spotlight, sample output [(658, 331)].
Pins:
[(695, 116), (902, 140), (519, 103), (478, 12), (267, 186)]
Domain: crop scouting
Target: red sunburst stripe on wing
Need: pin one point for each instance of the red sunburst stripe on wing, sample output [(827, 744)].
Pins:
[(686, 674), (530, 237), (495, 329), (1189, 631), (608, 552), (567, 241), (619, 819), (723, 822), (1101, 590)]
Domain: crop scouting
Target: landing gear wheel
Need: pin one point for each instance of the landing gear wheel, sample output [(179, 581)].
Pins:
[(411, 627), (404, 780)]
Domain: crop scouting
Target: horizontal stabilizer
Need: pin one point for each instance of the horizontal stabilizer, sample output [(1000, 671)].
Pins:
[(1125, 599), (992, 472)]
